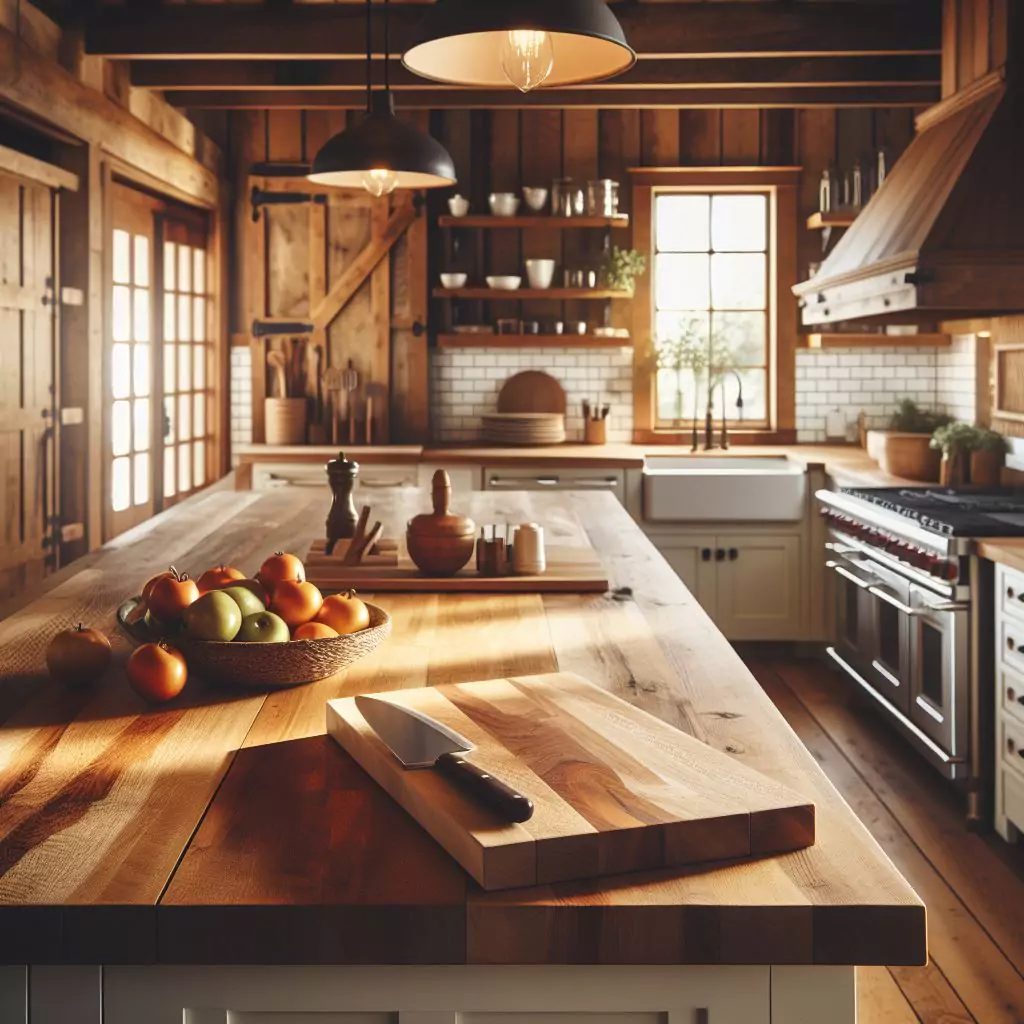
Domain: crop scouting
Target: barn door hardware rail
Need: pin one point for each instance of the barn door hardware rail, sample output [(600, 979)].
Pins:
[(276, 328), (260, 197), (279, 170)]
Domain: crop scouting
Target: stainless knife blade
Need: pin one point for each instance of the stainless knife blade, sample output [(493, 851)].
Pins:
[(418, 741)]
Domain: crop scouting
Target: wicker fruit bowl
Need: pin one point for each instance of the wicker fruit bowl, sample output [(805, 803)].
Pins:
[(260, 666)]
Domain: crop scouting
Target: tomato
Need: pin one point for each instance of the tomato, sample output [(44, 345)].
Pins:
[(78, 656), (278, 568), (157, 672), (314, 631), (147, 590), (172, 595), (219, 578), (344, 613), (296, 603)]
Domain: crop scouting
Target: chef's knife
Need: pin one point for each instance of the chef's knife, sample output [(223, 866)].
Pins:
[(418, 741)]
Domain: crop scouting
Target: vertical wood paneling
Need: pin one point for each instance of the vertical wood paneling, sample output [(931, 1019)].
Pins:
[(741, 137), (816, 151), (778, 137), (618, 148), (505, 255), (659, 137), (965, 39), (541, 132), (287, 226), (580, 162), (700, 138)]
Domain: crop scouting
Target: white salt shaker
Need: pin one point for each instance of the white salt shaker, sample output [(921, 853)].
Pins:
[(528, 551)]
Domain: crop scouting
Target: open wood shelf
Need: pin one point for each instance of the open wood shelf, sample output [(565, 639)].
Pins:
[(840, 219), (521, 294), (876, 340), (539, 220), (530, 341)]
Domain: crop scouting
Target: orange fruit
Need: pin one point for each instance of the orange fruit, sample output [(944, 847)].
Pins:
[(157, 672), (219, 578), (152, 582), (78, 656), (171, 595), (296, 602), (344, 613), (314, 631), (279, 568)]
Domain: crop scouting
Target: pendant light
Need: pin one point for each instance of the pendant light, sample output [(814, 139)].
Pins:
[(528, 43), (382, 153)]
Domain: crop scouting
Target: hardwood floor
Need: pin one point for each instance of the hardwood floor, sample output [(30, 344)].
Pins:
[(973, 885)]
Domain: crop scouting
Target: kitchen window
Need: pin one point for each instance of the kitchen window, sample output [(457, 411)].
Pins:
[(722, 258)]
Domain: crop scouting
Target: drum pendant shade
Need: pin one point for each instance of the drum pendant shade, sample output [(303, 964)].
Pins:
[(459, 42)]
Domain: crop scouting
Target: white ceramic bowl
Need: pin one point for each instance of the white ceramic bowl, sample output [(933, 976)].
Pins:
[(540, 273), (504, 204), (459, 206), (505, 283), (536, 198), (454, 280)]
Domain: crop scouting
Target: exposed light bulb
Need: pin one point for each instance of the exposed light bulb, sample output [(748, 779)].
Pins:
[(527, 58), (380, 182)]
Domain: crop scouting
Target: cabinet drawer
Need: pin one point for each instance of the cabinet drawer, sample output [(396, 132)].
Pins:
[(530, 478), (1011, 744), (1010, 591), (1011, 796), (270, 476), (1011, 693), (1010, 638)]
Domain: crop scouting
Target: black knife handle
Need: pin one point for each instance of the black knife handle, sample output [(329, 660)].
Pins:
[(485, 788)]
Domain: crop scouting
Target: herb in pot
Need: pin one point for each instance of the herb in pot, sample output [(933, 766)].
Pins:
[(622, 267), (910, 418)]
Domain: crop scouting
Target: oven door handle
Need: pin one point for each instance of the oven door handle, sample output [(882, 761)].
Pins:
[(950, 606), (846, 574)]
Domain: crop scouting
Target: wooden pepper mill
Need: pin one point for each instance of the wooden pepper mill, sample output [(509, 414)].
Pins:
[(441, 542), (343, 518)]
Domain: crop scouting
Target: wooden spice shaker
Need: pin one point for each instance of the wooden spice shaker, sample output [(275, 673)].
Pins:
[(441, 542), (343, 518)]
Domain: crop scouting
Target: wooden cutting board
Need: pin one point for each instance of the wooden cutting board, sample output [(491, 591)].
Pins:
[(571, 570), (532, 391), (615, 789)]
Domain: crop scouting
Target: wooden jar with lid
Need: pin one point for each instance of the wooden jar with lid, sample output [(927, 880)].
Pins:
[(441, 542)]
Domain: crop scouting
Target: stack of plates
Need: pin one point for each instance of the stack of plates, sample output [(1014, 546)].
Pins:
[(524, 428)]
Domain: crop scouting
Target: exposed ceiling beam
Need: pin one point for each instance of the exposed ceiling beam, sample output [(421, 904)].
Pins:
[(335, 30), (765, 72), (472, 99)]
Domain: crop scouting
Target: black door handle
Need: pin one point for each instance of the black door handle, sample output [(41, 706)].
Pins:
[(705, 554), (733, 554), (720, 555)]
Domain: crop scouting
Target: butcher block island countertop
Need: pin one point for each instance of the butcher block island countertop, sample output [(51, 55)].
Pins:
[(227, 828)]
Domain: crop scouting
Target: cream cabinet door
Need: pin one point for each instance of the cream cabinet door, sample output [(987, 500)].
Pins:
[(758, 587), (692, 556)]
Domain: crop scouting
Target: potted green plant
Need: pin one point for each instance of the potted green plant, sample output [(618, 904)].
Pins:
[(956, 441), (622, 267), (904, 449), (687, 350), (987, 458)]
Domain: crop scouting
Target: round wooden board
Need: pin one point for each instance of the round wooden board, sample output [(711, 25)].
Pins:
[(532, 391)]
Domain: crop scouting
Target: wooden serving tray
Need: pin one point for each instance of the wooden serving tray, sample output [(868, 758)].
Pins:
[(615, 789), (571, 570)]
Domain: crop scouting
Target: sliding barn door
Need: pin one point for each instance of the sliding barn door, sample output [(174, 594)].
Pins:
[(28, 213)]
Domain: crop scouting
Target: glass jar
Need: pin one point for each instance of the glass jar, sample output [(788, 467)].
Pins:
[(561, 197), (602, 198)]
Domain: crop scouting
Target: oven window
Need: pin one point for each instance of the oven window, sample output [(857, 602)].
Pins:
[(851, 617), (932, 663), (889, 620)]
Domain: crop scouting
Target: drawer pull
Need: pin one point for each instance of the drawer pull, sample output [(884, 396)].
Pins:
[(1013, 595), (1011, 644)]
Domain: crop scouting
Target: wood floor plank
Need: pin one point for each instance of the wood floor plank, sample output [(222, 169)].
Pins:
[(926, 808), (984, 986), (879, 999)]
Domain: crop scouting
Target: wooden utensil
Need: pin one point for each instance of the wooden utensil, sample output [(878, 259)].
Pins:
[(334, 381), (278, 362), (616, 789), (376, 395), (359, 549), (351, 386), (441, 542), (532, 391)]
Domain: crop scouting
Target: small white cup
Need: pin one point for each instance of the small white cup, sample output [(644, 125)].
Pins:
[(459, 206), (528, 557)]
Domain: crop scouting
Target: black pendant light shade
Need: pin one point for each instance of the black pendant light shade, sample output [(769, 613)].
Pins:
[(461, 42), (380, 142)]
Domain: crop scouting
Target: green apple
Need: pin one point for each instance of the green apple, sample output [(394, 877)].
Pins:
[(246, 600), (215, 616), (256, 589), (264, 628)]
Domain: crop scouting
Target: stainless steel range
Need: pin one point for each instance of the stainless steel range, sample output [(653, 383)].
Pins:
[(913, 615)]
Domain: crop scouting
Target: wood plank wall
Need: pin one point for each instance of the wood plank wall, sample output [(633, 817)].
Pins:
[(502, 150)]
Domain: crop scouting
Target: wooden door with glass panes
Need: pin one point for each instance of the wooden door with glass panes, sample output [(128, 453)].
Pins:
[(130, 496), (159, 384), (187, 358)]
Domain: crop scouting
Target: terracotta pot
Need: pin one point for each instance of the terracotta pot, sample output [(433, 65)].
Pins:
[(953, 470), (906, 455), (985, 468)]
